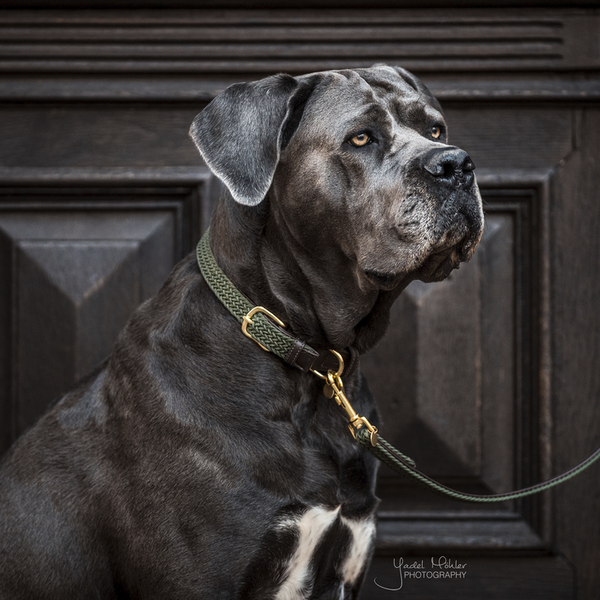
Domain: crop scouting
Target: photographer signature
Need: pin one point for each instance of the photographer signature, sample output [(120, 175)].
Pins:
[(441, 568)]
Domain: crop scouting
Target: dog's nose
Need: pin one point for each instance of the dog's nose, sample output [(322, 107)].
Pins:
[(450, 165)]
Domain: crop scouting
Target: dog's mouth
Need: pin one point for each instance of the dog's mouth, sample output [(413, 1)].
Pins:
[(456, 242), (443, 260), (436, 267), (439, 264)]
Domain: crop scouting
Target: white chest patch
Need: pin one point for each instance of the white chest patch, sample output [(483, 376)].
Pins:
[(363, 532), (312, 526)]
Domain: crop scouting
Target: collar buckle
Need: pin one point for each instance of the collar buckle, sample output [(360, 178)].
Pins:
[(247, 321)]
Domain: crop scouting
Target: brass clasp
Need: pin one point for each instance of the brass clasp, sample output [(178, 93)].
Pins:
[(334, 388), (356, 421), (248, 321)]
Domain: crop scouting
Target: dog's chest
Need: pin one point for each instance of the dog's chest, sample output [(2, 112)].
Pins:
[(323, 554)]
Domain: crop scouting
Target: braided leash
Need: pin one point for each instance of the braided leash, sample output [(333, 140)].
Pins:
[(400, 463), (269, 333)]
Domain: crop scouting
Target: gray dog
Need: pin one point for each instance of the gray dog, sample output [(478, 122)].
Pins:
[(193, 464)]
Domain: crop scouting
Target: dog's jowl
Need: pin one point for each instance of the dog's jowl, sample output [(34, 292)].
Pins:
[(193, 463)]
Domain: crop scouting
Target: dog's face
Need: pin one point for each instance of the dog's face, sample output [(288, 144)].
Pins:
[(355, 161), (405, 200)]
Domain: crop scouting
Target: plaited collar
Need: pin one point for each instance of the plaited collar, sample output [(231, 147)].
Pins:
[(262, 326)]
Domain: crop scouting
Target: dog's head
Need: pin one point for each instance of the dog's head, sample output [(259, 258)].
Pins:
[(355, 159)]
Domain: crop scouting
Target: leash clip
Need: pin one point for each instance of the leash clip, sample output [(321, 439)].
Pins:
[(334, 388), (356, 422), (247, 320)]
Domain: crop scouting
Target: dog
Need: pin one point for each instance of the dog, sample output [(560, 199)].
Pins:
[(192, 463)]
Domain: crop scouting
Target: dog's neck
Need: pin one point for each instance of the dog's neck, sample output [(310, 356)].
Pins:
[(317, 294)]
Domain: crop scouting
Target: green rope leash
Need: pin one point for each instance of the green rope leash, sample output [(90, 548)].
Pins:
[(400, 463), (262, 329)]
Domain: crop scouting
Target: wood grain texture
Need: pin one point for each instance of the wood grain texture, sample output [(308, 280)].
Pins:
[(576, 349), (97, 135), (190, 56), (500, 137), (296, 41), (135, 87), (277, 4), (75, 263)]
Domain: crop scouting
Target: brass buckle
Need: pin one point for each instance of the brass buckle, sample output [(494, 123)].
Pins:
[(248, 321)]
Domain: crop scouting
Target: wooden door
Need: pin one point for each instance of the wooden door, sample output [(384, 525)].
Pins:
[(489, 380)]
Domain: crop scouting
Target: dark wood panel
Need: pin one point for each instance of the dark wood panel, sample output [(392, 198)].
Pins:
[(260, 27), (261, 4), (191, 55), (75, 262), (576, 345), (136, 87), (501, 137), (448, 344), (296, 41), (468, 531), (454, 380), (73, 296), (98, 135)]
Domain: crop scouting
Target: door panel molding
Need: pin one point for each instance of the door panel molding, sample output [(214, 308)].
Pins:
[(191, 55), (79, 251), (209, 41)]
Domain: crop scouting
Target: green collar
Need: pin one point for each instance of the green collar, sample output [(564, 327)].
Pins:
[(259, 324)]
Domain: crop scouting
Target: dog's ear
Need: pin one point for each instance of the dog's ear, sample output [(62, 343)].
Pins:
[(240, 134)]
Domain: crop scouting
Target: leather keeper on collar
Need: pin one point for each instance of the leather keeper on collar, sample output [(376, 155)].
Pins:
[(306, 359)]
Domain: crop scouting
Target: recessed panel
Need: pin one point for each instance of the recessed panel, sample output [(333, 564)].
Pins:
[(443, 376), (72, 279)]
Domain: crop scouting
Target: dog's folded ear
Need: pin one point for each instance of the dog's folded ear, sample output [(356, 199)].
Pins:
[(241, 132)]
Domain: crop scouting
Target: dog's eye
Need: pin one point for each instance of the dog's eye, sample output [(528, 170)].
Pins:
[(435, 132), (360, 139)]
